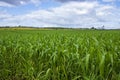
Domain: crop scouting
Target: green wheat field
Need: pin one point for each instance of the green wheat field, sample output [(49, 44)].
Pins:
[(59, 54)]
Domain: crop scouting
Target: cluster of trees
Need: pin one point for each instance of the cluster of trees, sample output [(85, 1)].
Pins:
[(103, 27), (19, 26)]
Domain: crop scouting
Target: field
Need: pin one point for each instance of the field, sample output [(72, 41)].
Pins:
[(59, 54)]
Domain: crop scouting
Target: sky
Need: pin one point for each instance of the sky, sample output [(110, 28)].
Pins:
[(61, 13)]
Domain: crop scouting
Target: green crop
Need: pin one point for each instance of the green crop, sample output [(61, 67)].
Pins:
[(59, 55)]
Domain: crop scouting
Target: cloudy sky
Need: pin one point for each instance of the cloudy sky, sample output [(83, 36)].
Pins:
[(60, 13)]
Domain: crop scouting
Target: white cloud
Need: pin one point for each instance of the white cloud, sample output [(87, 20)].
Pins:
[(4, 15), (109, 0), (11, 3), (72, 14), (104, 10), (4, 4), (35, 1)]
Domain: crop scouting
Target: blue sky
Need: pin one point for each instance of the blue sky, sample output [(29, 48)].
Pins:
[(60, 13)]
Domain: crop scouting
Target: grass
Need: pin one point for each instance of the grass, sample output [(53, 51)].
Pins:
[(59, 54)]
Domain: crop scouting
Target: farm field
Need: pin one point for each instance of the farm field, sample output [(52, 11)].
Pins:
[(59, 54)]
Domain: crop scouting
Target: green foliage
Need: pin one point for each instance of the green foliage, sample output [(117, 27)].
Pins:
[(59, 55)]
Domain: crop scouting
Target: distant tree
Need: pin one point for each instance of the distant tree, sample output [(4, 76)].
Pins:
[(7, 26), (93, 28), (19, 26)]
